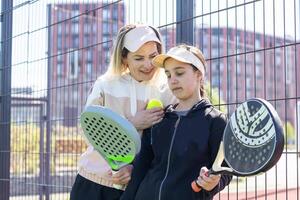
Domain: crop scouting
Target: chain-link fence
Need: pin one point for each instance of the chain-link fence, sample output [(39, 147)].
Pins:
[(53, 50)]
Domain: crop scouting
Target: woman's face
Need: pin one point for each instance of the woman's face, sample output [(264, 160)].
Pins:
[(139, 62), (183, 80)]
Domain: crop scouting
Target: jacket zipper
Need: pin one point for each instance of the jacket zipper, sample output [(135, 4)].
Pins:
[(169, 157)]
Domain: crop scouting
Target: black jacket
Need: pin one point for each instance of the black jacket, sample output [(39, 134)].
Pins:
[(173, 152)]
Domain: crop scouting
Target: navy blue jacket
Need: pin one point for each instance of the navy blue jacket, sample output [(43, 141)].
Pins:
[(173, 152)]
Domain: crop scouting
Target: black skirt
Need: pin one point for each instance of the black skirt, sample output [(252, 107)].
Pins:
[(86, 189)]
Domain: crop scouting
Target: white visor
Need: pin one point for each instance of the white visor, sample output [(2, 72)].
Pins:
[(181, 54), (138, 36)]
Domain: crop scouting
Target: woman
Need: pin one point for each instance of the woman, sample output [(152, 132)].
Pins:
[(131, 80), (185, 143)]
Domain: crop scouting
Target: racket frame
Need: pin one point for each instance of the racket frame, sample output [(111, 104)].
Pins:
[(218, 169), (99, 115)]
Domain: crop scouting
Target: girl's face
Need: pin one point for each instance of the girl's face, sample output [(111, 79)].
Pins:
[(139, 62), (183, 80)]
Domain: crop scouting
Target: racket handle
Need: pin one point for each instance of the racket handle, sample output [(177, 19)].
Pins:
[(195, 186), (117, 186)]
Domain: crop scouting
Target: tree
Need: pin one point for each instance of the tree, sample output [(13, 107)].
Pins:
[(215, 99), (289, 134)]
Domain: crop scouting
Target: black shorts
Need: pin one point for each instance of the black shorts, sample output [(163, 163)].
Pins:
[(86, 189)]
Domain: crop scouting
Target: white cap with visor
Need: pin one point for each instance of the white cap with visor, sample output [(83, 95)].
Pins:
[(138, 36), (181, 54)]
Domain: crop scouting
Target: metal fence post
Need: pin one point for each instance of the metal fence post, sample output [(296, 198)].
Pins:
[(5, 96), (42, 155), (48, 108), (184, 18)]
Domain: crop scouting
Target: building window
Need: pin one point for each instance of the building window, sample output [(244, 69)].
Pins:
[(115, 28), (73, 64), (89, 68), (94, 26), (258, 58), (107, 54), (59, 69), (60, 14), (248, 83), (106, 28), (75, 28), (59, 56), (115, 13), (59, 29), (106, 13), (258, 71), (238, 69), (75, 41), (215, 52), (221, 66), (257, 43), (86, 28), (59, 42), (67, 29), (75, 14), (278, 59), (89, 55), (106, 41), (86, 40)]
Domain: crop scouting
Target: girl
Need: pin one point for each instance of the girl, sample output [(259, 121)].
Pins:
[(180, 147), (131, 80)]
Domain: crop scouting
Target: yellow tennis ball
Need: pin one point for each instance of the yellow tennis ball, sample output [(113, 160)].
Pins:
[(154, 103)]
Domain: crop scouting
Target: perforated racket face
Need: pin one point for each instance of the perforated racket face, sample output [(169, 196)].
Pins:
[(111, 135), (250, 137)]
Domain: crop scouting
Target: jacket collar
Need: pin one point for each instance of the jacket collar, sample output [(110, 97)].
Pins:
[(202, 104)]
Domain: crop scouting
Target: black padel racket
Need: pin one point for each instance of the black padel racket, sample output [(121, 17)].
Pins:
[(253, 141), (115, 138)]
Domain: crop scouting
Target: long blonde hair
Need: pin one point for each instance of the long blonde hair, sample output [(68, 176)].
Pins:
[(116, 66)]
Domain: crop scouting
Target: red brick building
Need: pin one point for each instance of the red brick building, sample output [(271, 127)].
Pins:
[(80, 41), (243, 64)]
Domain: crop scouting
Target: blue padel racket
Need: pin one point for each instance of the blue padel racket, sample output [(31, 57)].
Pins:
[(114, 137), (253, 141)]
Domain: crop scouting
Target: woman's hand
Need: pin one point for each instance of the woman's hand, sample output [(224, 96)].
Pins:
[(207, 182), (146, 118), (123, 176)]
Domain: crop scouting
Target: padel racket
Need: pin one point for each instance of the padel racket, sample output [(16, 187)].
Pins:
[(252, 142), (115, 138)]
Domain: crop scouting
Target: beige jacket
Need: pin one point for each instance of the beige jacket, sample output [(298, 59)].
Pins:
[(125, 96)]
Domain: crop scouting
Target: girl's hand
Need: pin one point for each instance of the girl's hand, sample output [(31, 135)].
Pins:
[(123, 176), (208, 182), (146, 118)]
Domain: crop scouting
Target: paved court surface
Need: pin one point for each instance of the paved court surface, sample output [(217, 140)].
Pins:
[(285, 194), (282, 182), (279, 183)]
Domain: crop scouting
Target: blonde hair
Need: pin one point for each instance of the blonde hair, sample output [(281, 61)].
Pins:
[(116, 66)]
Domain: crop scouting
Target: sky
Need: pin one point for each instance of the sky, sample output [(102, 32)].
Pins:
[(30, 36)]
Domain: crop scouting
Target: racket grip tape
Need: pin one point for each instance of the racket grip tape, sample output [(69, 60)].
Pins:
[(117, 186), (195, 186)]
